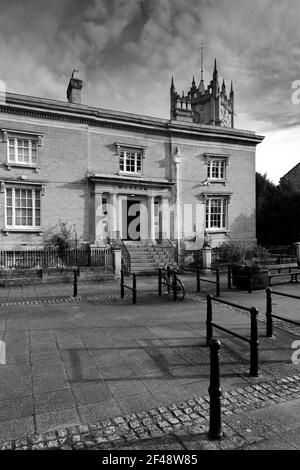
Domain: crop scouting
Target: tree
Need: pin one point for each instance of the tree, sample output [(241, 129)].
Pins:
[(277, 212)]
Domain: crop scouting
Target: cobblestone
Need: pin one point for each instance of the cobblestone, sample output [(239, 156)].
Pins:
[(190, 416)]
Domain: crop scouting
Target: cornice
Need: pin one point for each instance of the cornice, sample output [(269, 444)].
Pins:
[(110, 179), (84, 115)]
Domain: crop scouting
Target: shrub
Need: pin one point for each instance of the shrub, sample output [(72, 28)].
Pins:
[(63, 239), (235, 253)]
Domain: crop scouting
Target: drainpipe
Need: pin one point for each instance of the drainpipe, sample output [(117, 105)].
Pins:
[(177, 160)]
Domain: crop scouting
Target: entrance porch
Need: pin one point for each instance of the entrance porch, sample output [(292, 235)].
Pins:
[(131, 211)]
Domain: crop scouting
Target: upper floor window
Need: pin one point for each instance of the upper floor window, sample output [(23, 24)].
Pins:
[(216, 167), (216, 170), (22, 150), (130, 158), (131, 161)]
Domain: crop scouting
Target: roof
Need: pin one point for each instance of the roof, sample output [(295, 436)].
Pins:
[(94, 116)]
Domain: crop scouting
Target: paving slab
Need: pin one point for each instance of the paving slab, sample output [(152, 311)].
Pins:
[(94, 358)]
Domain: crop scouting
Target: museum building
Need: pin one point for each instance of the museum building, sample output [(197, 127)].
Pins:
[(118, 177)]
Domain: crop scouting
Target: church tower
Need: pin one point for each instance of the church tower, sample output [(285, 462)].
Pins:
[(211, 105)]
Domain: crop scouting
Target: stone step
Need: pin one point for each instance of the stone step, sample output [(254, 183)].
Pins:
[(140, 265), (146, 252), (145, 257), (139, 261)]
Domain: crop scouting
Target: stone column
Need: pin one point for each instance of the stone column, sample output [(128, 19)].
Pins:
[(165, 217), (151, 216), (113, 216), (98, 214), (206, 252), (177, 160), (117, 253)]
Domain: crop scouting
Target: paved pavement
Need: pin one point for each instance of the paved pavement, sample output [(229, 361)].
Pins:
[(77, 370)]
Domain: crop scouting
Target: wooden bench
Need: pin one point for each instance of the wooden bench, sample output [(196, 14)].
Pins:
[(293, 274), (280, 267)]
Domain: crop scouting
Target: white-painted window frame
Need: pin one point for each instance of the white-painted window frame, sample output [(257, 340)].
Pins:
[(220, 164), (223, 214), (17, 156), (125, 154), (14, 226)]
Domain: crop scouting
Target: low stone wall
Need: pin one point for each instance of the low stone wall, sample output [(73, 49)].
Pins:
[(17, 277)]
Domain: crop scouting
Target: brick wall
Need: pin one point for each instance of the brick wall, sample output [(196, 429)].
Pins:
[(69, 151)]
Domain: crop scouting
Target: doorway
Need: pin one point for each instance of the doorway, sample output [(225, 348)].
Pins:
[(133, 220)]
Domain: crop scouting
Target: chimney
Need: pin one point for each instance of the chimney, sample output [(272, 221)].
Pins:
[(74, 88)]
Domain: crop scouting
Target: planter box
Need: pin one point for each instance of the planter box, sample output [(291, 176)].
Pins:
[(241, 276)]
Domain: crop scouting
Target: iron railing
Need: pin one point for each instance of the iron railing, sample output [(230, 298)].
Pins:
[(86, 257), (252, 341)]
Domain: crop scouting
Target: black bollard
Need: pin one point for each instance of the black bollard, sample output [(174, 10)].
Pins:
[(122, 284), (229, 277), (198, 279), (254, 343), (215, 392), (209, 327), (218, 291), (174, 286), (134, 288), (250, 283), (75, 283), (269, 320), (159, 282)]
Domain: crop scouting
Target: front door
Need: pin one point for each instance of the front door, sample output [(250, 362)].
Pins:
[(133, 220)]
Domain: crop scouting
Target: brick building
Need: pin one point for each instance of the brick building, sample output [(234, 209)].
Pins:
[(293, 177), (115, 175)]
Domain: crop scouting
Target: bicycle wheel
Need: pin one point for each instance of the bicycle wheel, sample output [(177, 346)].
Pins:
[(165, 286), (180, 290)]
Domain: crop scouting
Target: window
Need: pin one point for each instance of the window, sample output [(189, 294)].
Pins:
[(216, 167), (216, 170), (23, 208), (216, 213), (131, 162), (130, 158), (22, 151)]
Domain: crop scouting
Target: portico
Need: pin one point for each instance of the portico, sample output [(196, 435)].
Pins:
[(122, 208)]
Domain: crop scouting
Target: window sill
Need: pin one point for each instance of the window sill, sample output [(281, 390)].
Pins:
[(8, 230), (9, 165), (212, 181), (128, 173), (217, 230)]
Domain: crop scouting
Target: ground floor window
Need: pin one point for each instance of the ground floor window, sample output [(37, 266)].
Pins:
[(23, 208), (216, 213)]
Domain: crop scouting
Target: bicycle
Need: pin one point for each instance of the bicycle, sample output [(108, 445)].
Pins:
[(168, 273)]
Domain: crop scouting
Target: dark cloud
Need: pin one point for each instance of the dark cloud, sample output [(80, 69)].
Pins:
[(127, 51)]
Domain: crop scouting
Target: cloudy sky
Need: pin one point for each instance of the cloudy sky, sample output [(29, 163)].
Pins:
[(127, 51)]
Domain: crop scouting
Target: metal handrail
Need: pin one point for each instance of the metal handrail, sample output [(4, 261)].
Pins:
[(125, 286), (216, 282), (270, 314), (165, 238), (252, 341)]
